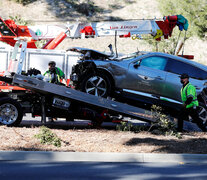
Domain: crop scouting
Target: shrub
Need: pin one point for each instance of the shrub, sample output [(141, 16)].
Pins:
[(19, 20), (128, 126), (46, 136), (163, 123), (24, 2), (124, 126)]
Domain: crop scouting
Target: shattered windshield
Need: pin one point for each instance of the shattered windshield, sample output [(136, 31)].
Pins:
[(131, 56)]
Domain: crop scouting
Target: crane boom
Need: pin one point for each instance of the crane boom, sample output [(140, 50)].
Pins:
[(56, 33)]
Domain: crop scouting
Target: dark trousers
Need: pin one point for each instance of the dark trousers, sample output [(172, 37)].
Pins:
[(193, 113)]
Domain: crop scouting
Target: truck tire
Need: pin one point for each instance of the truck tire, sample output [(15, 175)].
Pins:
[(10, 112), (202, 111), (98, 85)]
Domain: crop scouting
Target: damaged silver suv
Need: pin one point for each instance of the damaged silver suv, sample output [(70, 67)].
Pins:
[(140, 79)]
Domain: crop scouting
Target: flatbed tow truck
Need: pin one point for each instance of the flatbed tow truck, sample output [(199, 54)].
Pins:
[(45, 99), (49, 99)]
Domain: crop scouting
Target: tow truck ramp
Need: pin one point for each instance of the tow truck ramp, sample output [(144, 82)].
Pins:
[(44, 88)]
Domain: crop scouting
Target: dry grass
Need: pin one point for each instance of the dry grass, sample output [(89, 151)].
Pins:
[(93, 140)]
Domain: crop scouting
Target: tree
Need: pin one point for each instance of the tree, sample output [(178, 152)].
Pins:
[(193, 10)]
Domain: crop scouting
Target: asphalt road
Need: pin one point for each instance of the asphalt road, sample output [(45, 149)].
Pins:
[(61, 123), (100, 170)]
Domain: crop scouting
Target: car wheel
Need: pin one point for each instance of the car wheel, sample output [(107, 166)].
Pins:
[(10, 112), (98, 85), (202, 111)]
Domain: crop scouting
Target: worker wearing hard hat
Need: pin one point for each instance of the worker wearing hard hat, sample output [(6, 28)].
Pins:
[(54, 74), (190, 104)]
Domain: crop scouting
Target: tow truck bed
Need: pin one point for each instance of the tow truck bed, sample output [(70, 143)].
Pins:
[(45, 88)]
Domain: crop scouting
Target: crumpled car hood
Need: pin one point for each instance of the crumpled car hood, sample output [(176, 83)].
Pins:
[(90, 53)]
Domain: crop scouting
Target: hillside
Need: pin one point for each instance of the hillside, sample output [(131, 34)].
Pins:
[(60, 12)]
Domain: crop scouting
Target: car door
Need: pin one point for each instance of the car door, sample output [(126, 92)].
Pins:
[(147, 75), (175, 68)]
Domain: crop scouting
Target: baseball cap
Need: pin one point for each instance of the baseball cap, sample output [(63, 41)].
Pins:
[(184, 75)]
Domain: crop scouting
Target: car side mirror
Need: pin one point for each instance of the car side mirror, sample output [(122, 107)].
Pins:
[(136, 64)]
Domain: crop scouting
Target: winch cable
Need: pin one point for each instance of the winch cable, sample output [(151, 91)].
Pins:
[(184, 42), (116, 43), (177, 43)]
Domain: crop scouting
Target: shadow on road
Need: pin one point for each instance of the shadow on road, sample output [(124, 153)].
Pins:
[(100, 170)]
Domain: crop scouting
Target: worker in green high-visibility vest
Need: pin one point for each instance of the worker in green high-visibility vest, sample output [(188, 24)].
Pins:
[(54, 74), (190, 104)]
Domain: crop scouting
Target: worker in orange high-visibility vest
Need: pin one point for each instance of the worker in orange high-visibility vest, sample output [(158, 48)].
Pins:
[(190, 104)]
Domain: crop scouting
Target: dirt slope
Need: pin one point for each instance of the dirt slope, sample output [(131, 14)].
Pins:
[(56, 12)]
